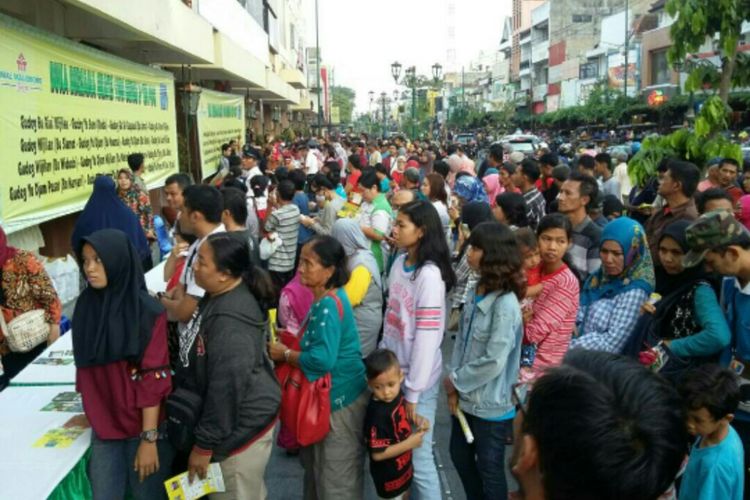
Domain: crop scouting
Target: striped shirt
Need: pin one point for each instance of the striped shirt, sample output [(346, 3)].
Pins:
[(285, 222), (536, 206), (554, 317), (414, 324), (584, 253)]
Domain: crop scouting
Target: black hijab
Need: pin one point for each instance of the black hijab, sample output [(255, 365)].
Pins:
[(676, 284), (473, 214), (114, 323)]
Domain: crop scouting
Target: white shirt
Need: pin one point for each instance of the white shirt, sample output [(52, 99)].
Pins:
[(621, 174), (311, 162), (187, 277)]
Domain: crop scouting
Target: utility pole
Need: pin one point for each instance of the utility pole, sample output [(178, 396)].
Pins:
[(317, 69), (385, 117), (627, 51)]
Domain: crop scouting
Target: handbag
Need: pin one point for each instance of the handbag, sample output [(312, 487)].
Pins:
[(184, 409), (26, 331), (305, 405)]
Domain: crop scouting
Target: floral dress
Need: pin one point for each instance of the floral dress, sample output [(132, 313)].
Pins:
[(140, 204)]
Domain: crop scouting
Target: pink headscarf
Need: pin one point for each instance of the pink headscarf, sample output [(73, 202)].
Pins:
[(6, 252), (493, 187), (296, 300), (468, 166), (743, 211)]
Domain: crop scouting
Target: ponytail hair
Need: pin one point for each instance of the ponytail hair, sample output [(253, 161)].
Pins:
[(232, 256)]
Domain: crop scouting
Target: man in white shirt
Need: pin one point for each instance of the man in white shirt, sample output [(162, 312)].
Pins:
[(311, 159), (621, 174), (201, 216), (250, 168)]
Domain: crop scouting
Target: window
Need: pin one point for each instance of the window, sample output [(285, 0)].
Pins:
[(581, 18), (588, 70), (660, 67)]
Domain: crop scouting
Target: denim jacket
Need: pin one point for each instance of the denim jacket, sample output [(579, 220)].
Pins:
[(486, 355)]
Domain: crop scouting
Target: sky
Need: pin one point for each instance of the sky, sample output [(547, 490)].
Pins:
[(361, 38)]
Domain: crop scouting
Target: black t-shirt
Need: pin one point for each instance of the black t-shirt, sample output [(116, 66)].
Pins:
[(386, 424)]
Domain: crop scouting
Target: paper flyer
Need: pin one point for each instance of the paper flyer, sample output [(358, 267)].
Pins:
[(69, 402), (54, 361), (63, 436), (179, 488)]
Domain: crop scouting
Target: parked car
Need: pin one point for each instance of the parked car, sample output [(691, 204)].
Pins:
[(463, 139), (526, 144)]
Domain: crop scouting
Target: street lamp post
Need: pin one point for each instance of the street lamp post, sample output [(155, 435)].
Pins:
[(412, 81), (385, 117)]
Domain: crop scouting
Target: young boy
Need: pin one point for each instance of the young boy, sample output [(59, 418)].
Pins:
[(715, 466), (388, 432)]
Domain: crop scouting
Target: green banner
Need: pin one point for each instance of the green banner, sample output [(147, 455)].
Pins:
[(70, 112), (221, 118)]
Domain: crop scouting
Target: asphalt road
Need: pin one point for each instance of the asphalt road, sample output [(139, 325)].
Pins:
[(284, 473)]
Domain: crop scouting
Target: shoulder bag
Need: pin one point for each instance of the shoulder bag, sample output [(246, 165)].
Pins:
[(305, 405), (26, 331)]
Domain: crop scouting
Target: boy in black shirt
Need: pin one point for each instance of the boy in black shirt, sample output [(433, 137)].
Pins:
[(388, 433)]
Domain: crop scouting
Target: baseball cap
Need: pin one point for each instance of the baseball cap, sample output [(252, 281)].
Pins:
[(517, 157), (714, 229), (250, 152)]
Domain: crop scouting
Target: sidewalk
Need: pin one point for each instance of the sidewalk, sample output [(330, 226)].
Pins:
[(284, 474)]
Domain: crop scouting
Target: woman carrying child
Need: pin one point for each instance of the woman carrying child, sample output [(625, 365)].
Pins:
[(550, 319)]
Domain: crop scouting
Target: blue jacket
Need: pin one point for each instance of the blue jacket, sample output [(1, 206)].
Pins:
[(736, 304), (486, 355)]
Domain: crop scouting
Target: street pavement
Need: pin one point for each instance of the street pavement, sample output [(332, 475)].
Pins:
[(284, 473)]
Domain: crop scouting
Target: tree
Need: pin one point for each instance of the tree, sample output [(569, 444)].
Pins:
[(343, 98), (700, 20)]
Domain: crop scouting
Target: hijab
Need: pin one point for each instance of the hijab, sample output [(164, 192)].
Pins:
[(116, 322), (743, 214), (493, 187), (675, 284), (7, 252), (639, 267), (474, 213), (357, 247), (467, 165), (470, 189), (300, 298), (105, 210)]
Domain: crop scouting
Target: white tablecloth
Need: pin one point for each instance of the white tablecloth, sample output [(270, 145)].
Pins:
[(36, 374), (155, 279), (28, 472)]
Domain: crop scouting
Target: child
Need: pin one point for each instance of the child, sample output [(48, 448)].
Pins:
[(548, 323), (388, 433), (485, 361), (532, 265), (715, 468)]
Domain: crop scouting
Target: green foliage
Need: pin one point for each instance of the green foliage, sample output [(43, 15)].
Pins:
[(698, 146), (695, 20), (343, 97)]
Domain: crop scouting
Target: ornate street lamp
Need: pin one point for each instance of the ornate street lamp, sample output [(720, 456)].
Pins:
[(396, 71), (437, 71)]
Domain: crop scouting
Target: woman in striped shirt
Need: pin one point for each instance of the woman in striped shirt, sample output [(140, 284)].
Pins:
[(549, 324)]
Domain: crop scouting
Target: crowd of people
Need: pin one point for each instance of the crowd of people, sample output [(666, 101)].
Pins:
[(594, 325)]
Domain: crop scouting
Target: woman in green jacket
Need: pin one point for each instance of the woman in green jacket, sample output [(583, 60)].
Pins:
[(330, 344)]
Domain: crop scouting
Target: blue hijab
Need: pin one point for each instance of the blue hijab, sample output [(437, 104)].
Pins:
[(639, 267), (105, 210), (470, 189)]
